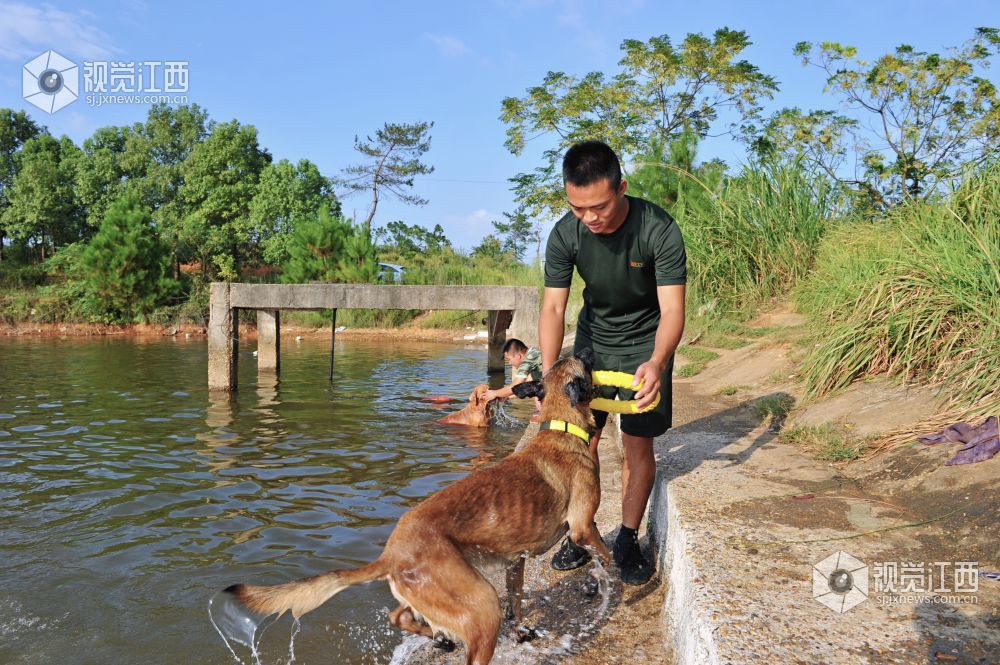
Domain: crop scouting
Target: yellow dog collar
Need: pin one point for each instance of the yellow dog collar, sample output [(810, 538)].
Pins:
[(563, 426), (619, 380)]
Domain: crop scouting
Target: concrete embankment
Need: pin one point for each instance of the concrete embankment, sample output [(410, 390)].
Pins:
[(746, 525)]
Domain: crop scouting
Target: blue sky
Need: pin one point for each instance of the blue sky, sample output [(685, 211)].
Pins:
[(310, 76)]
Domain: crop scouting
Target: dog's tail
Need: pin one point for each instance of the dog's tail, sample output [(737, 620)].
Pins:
[(307, 594)]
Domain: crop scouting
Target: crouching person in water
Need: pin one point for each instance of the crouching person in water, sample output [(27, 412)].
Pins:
[(526, 365)]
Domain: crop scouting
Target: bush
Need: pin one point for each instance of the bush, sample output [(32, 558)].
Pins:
[(14, 276)]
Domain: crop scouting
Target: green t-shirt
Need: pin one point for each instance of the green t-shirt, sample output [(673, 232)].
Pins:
[(621, 271)]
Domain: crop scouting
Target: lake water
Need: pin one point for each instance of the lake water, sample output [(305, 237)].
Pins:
[(129, 495)]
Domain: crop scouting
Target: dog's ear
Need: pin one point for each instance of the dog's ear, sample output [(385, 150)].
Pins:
[(529, 389), (578, 390), (586, 356)]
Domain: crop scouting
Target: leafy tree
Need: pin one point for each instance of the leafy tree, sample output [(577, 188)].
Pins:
[(107, 169), (359, 259), (287, 192), (668, 176), (515, 234), (329, 248), (42, 202), (492, 248), (145, 159), (392, 161), (125, 264), (923, 118), (164, 143), (220, 179), (16, 128), (409, 240), (660, 92)]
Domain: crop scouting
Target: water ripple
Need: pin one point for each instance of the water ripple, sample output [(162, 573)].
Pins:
[(127, 469)]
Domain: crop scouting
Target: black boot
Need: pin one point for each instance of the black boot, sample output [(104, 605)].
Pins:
[(635, 569), (570, 556)]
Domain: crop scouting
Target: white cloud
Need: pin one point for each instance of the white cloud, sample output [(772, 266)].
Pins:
[(448, 46), (479, 217), (27, 30)]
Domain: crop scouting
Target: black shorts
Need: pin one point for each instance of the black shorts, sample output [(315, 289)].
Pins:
[(649, 424)]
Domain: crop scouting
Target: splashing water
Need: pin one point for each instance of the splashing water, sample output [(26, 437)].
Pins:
[(235, 622), (296, 627), (600, 573), (410, 645), (550, 646), (499, 416)]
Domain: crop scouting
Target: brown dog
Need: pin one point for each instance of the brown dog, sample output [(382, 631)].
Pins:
[(475, 414), (521, 505)]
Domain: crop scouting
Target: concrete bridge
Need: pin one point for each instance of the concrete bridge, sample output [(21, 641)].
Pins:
[(510, 307)]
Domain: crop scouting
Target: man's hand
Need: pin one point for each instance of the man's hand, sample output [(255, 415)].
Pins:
[(491, 395), (649, 372)]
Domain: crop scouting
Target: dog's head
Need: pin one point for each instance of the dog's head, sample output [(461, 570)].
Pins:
[(570, 377)]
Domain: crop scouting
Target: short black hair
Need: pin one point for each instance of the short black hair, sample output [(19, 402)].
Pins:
[(514, 343), (590, 161)]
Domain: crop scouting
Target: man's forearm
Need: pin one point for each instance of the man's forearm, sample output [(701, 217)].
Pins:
[(668, 336), (550, 336)]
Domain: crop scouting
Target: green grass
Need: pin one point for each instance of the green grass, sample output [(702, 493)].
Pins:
[(774, 406), (690, 369), (452, 319), (696, 354), (729, 390), (698, 359), (825, 442), (754, 238), (717, 340), (916, 296)]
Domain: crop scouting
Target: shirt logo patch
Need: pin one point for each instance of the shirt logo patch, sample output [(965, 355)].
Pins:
[(636, 264)]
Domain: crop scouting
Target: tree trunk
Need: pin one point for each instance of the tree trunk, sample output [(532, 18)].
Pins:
[(371, 213)]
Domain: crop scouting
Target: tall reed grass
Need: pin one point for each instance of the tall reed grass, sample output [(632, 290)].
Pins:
[(755, 237), (915, 296)]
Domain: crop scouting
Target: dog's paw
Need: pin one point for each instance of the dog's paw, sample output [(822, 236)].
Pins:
[(524, 633), (443, 643)]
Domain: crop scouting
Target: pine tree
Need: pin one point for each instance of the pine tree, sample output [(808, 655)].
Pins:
[(125, 264), (330, 249)]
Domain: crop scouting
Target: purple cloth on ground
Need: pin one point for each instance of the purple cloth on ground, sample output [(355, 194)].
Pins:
[(981, 442)]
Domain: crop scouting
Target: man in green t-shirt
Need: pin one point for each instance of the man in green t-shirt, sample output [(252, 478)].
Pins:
[(631, 257)]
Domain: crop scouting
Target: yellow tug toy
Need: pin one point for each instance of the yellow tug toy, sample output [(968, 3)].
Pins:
[(618, 380)]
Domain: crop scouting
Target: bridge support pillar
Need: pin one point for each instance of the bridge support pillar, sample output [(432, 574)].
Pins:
[(268, 340), (223, 339)]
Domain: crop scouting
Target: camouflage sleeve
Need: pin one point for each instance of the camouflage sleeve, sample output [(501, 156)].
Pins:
[(531, 366)]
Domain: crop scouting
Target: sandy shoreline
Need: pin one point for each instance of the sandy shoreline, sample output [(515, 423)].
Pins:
[(247, 331)]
